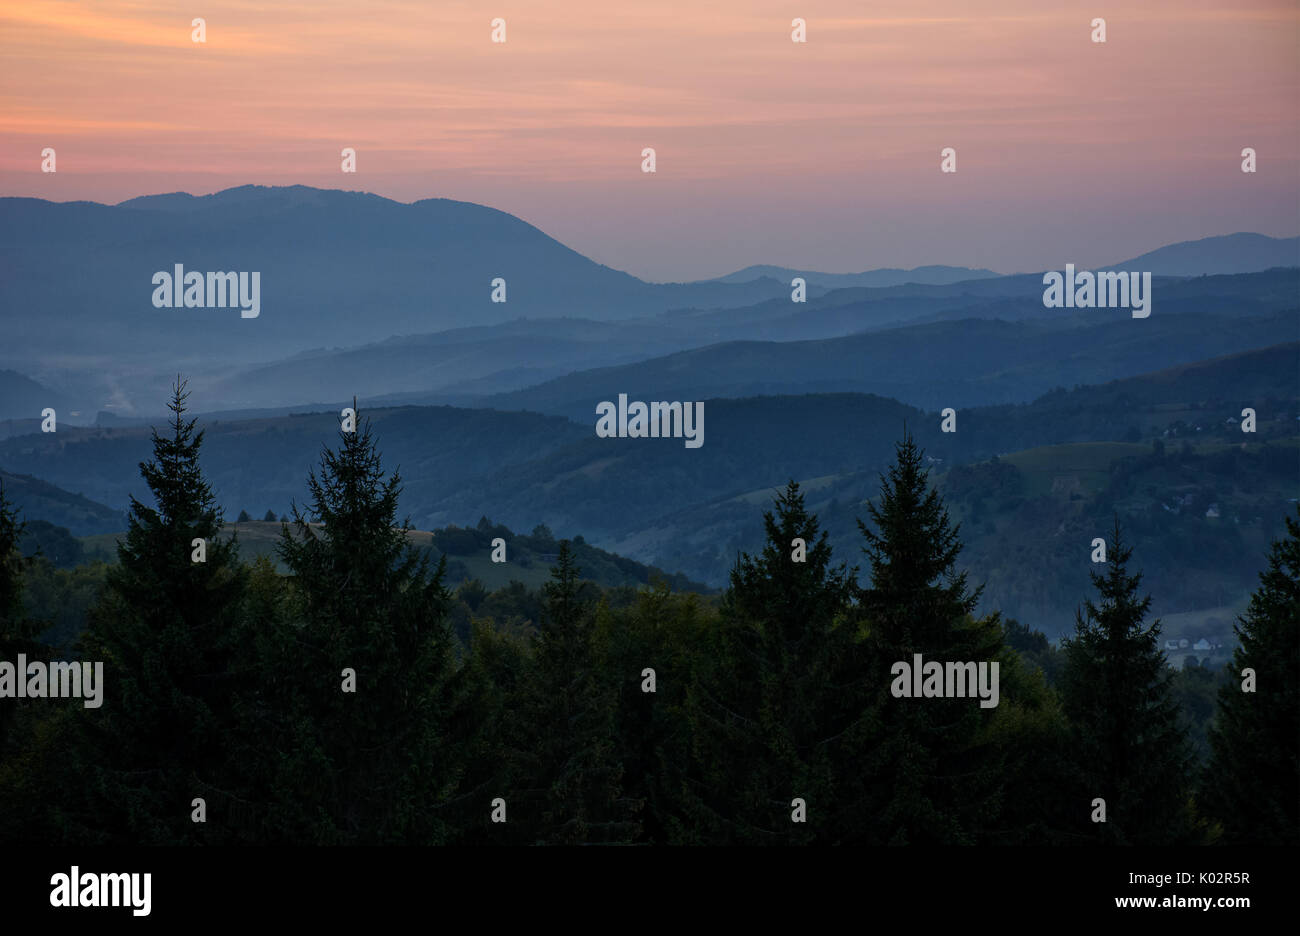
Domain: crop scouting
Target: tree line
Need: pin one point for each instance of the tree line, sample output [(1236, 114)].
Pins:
[(337, 704)]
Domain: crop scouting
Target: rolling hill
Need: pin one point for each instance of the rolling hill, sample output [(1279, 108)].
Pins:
[(1031, 481), (22, 398), (1228, 253), (35, 499), (970, 362)]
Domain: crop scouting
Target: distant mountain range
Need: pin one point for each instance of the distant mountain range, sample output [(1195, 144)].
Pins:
[(364, 295), (338, 269), (1230, 253), (962, 363), (924, 275)]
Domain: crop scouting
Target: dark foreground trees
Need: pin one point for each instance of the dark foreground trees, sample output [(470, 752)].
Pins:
[(168, 629), (929, 772), (1252, 782), (326, 699), (18, 630), (567, 756), (1129, 749), (774, 693), (363, 687)]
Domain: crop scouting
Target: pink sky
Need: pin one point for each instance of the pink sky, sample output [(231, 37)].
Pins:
[(822, 155)]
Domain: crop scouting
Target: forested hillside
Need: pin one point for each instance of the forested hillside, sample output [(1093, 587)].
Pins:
[(348, 692)]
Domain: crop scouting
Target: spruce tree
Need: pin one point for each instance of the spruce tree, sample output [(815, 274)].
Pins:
[(662, 632), (166, 629), (569, 768), (1129, 747), (927, 774), (915, 594), (769, 703), (1252, 780), (371, 765), (491, 729)]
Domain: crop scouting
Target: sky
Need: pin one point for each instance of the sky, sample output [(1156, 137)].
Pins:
[(820, 155)]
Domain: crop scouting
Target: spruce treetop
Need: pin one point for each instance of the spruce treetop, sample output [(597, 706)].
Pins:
[(182, 496), (916, 594), (1121, 613)]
